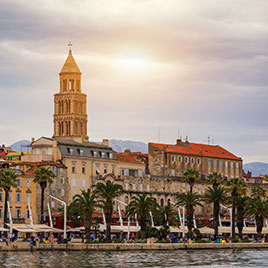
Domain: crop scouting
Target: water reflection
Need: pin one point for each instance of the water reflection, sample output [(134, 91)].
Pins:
[(194, 258)]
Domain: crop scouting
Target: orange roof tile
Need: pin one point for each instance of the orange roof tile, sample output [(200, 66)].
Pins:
[(197, 149), (122, 157)]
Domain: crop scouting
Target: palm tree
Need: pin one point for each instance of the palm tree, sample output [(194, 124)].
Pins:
[(8, 179), (241, 207), (236, 187), (258, 192), (106, 193), (87, 204), (215, 179), (141, 206), (43, 176), (259, 209), (190, 176), (189, 200), (216, 195), (164, 213)]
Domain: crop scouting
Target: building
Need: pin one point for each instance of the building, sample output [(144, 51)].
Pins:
[(173, 160), (70, 115)]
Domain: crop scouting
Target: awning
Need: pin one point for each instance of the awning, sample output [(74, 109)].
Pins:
[(2, 229), (42, 228)]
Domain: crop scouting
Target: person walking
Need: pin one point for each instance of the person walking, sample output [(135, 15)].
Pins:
[(51, 238)]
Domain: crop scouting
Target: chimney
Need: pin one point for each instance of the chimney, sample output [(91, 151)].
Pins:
[(178, 142), (33, 140), (127, 151), (105, 142)]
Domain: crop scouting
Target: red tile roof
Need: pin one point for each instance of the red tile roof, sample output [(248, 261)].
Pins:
[(122, 157), (197, 149)]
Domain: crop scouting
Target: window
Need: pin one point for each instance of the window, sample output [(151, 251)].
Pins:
[(28, 183), (28, 198), (141, 188), (172, 158), (126, 186), (95, 153), (232, 164), (54, 192), (226, 164), (237, 165), (43, 151), (126, 199), (27, 213), (133, 173), (122, 172), (83, 168), (186, 159), (215, 163), (73, 182), (1, 197), (18, 182), (220, 163), (80, 152), (62, 180), (168, 202), (73, 167), (175, 184), (192, 160), (71, 151), (1, 213), (52, 204), (179, 158), (9, 197), (84, 183), (161, 202), (209, 162), (199, 186), (198, 161), (97, 170), (111, 155), (184, 185), (134, 187), (105, 169), (53, 168), (62, 192), (18, 197), (113, 170), (172, 173), (18, 213), (148, 187), (103, 154)]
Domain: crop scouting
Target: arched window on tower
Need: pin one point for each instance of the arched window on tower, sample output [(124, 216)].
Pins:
[(161, 202), (82, 129)]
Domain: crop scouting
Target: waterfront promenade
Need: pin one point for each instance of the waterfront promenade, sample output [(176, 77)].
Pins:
[(24, 246)]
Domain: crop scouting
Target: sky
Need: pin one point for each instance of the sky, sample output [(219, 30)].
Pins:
[(189, 68)]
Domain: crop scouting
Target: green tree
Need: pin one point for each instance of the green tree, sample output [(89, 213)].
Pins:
[(216, 195), (258, 208), (190, 176), (215, 179), (162, 214), (189, 200), (106, 192), (241, 208), (141, 206), (236, 187), (258, 192), (87, 204), (8, 179), (43, 176)]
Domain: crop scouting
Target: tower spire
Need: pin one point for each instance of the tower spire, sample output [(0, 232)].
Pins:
[(70, 46)]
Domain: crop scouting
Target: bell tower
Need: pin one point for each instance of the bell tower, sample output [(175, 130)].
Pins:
[(70, 115)]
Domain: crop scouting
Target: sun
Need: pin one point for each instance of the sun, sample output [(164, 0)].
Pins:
[(133, 64)]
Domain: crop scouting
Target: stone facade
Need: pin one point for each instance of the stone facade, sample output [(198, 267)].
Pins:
[(70, 115)]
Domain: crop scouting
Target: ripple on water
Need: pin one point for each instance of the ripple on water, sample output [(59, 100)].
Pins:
[(137, 259)]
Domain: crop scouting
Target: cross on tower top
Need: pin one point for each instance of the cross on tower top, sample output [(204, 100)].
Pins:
[(70, 45)]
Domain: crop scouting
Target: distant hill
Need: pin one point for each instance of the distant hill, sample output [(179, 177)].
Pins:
[(117, 145), (19, 146), (256, 168)]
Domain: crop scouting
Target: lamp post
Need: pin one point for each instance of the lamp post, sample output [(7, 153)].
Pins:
[(65, 213)]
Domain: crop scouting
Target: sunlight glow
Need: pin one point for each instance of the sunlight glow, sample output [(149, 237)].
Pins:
[(133, 64)]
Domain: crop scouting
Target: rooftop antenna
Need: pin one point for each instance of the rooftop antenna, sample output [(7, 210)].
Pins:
[(186, 138), (208, 140)]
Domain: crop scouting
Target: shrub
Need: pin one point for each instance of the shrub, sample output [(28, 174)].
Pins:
[(162, 241)]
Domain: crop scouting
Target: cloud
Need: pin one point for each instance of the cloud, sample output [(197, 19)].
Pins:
[(206, 72)]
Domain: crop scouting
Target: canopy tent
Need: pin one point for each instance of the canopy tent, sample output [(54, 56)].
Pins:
[(28, 228), (2, 229), (206, 230)]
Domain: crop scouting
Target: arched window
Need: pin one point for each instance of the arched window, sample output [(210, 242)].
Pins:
[(126, 199), (168, 202), (161, 202)]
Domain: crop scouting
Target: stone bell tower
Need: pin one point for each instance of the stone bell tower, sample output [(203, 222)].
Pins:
[(70, 104)]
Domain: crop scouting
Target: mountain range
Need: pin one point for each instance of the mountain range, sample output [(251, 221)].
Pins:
[(256, 168)]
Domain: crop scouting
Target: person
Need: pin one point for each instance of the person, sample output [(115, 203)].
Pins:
[(6, 239), (32, 241), (51, 238), (59, 239)]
